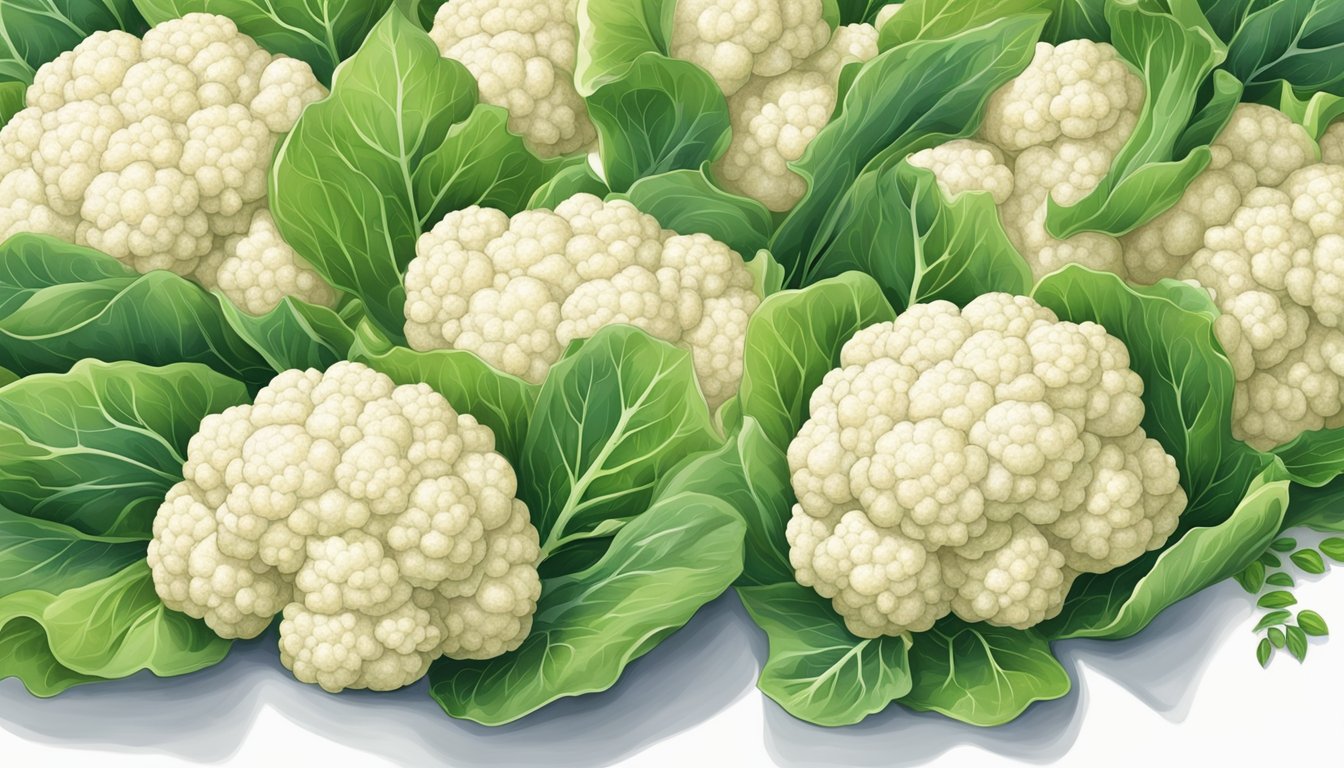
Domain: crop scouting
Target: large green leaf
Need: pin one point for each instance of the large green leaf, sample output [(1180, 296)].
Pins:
[(659, 115), (97, 448), (398, 143), (686, 201), (12, 96), (320, 32), (1173, 55), (501, 402), (930, 19), (897, 225), (794, 340), (50, 557), (613, 33), (980, 674), (613, 416), (295, 334), (945, 84), (1297, 41), (660, 569), (1320, 508), (817, 670), (571, 180), (1314, 458), (33, 32), (1122, 602)]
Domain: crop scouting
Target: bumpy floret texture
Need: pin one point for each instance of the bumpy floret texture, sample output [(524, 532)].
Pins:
[(974, 461), (1054, 131), (517, 290), (1332, 144), (522, 53), (155, 151), (1276, 272), (379, 522)]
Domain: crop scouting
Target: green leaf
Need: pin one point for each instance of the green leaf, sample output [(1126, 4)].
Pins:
[(61, 303), (1270, 560), (295, 334), (501, 402), (1312, 623), (573, 179), (33, 32), (1263, 651), (1298, 41), (99, 447), (614, 415), (752, 476), (817, 671), (12, 99), (794, 339), (1280, 579), (929, 19), (1278, 599), (398, 143), (1315, 113), (858, 11), (660, 569), (1147, 176), (1320, 508), (37, 554), (1283, 544), (686, 202), (1314, 458), (1333, 548), (1276, 637), (945, 84), (1124, 601), (613, 33), (980, 674), (1273, 618), (658, 115), (320, 32), (1297, 642), (1252, 577), (898, 226), (1309, 560)]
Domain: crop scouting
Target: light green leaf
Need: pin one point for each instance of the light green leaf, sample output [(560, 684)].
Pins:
[(1315, 113), (682, 552), (613, 33), (573, 179), (817, 671), (686, 202), (1315, 458), (980, 674), (794, 339), (613, 417), (897, 225), (12, 95), (930, 19), (658, 115), (945, 84), (33, 32), (320, 32), (501, 402), (295, 334), (98, 448)]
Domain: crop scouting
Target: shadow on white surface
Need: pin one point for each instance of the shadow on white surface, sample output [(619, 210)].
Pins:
[(695, 674)]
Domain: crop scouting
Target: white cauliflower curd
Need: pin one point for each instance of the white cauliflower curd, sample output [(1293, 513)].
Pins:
[(380, 522), (974, 461), (156, 151), (517, 290)]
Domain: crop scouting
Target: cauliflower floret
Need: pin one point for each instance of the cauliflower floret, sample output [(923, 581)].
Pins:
[(380, 522), (517, 290), (966, 165), (522, 53), (974, 461), (733, 41), (156, 151), (1332, 144)]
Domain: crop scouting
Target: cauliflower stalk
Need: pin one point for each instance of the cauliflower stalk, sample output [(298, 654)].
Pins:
[(155, 151), (377, 520)]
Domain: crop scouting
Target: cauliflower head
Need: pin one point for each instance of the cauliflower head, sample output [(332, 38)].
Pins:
[(1332, 144), (379, 522), (517, 290), (974, 461), (522, 54), (1276, 272), (155, 151)]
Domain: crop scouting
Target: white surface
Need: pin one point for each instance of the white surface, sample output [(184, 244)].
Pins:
[(1186, 689)]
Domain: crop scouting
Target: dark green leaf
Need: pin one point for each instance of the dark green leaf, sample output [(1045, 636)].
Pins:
[(1283, 544), (817, 671), (1280, 579), (686, 202), (1270, 560), (1297, 642), (1273, 618), (1309, 560), (1312, 623), (1298, 41), (1315, 458), (1252, 577), (1278, 599), (1276, 637), (11, 99), (33, 32), (295, 334), (1263, 651)]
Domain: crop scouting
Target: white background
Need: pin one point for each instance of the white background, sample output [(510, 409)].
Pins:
[(1185, 691)]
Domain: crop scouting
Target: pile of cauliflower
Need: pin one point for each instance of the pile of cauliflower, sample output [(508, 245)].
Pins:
[(517, 290), (1262, 228), (156, 152), (974, 461), (381, 524), (777, 61)]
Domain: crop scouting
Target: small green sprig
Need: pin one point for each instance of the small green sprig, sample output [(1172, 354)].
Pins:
[(1269, 578)]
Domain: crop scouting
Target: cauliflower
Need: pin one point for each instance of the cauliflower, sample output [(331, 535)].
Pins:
[(1332, 144), (380, 523), (522, 53), (517, 290), (155, 151), (1054, 131), (974, 461)]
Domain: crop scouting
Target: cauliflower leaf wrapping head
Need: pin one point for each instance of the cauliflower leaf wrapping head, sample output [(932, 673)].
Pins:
[(380, 522), (974, 461), (516, 290), (156, 151)]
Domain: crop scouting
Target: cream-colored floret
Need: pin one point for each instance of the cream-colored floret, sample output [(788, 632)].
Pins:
[(1332, 143), (156, 151), (380, 522), (974, 461), (517, 290)]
